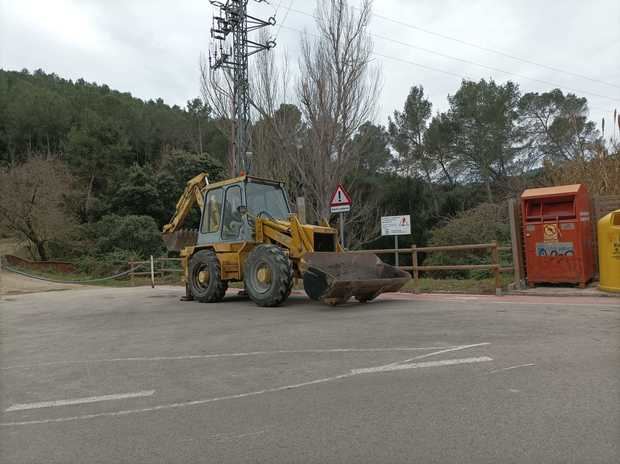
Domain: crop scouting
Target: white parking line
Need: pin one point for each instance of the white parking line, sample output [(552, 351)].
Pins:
[(162, 407), (230, 355), (69, 402), (400, 367), (511, 368), (435, 353)]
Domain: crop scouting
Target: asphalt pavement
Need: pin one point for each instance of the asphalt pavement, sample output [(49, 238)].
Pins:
[(136, 376)]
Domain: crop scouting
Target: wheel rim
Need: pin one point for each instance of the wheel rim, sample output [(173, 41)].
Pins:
[(261, 278), (201, 277)]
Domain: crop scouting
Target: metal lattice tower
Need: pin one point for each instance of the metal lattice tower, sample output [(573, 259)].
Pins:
[(232, 19)]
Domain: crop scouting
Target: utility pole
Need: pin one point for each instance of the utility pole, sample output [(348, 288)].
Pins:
[(232, 20)]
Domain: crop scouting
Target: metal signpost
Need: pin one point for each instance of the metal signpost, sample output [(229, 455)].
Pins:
[(340, 203), (396, 225)]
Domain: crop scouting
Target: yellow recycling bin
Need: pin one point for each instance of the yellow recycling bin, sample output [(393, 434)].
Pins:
[(609, 251)]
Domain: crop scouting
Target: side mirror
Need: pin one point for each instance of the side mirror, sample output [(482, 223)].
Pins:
[(242, 209)]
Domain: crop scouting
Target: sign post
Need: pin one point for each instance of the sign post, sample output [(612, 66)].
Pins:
[(340, 203), (396, 248), (396, 225)]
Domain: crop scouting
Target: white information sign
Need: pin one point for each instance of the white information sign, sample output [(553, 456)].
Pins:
[(396, 225), (340, 208)]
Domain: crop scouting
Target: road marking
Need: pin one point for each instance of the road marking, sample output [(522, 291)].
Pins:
[(511, 368), (163, 407), (400, 367), (435, 353), (69, 402), (230, 355)]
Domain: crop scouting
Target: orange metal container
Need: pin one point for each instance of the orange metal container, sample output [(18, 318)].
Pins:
[(557, 232)]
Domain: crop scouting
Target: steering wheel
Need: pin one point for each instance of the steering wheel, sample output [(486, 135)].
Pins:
[(267, 214)]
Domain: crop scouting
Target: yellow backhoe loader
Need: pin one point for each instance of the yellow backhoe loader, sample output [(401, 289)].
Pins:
[(248, 234)]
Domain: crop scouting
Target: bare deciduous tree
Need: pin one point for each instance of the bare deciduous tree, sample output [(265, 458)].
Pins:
[(309, 142), (338, 91), (32, 203), (216, 88), (278, 131)]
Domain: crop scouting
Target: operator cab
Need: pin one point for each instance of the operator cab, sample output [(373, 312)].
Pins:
[(231, 207)]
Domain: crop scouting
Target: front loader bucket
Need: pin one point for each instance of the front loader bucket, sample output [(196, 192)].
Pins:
[(180, 239), (336, 277)]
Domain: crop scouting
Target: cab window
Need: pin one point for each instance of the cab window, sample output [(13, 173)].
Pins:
[(266, 198), (212, 212), (233, 219)]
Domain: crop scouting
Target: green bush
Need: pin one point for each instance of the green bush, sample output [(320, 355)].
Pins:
[(107, 264), (482, 224), (136, 234)]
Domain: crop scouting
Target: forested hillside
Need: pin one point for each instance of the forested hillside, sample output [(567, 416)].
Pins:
[(103, 152), (91, 171)]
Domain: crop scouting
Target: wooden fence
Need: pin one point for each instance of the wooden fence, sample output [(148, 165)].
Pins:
[(161, 266), (494, 266), (153, 267)]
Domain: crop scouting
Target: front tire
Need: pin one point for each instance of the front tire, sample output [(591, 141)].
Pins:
[(205, 277), (268, 275)]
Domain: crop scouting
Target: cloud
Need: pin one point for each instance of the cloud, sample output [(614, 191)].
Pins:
[(152, 48)]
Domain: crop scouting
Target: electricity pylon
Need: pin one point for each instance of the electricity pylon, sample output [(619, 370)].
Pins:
[(232, 20)]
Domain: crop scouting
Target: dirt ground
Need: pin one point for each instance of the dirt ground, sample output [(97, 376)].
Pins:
[(15, 284)]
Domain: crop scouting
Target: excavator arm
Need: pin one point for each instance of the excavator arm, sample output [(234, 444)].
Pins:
[(192, 195)]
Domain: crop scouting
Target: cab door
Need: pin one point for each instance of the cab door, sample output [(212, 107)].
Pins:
[(211, 217)]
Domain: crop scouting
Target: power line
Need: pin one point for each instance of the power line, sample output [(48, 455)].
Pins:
[(491, 68), (468, 62), (491, 50), (290, 5), (414, 63)]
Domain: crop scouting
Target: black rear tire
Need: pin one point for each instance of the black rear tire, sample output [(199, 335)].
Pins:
[(213, 288), (268, 275)]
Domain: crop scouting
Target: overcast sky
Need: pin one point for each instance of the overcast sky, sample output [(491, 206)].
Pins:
[(151, 48)]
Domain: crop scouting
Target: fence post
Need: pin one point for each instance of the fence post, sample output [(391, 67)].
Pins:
[(396, 250), (301, 210), (130, 263), (414, 264), (152, 273), (495, 261)]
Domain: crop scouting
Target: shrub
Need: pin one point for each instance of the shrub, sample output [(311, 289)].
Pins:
[(482, 224), (107, 264), (137, 234)]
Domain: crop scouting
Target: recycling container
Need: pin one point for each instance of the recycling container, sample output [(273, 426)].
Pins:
[(608, 232), (557, 235)]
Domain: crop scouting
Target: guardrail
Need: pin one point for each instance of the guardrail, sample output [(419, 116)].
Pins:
[(494, 266)]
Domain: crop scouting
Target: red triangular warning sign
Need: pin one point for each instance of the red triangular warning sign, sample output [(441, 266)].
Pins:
[(340, 197)]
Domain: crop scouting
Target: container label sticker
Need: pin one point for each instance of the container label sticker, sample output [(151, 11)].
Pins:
[(555, 249), (550, 233), (531, 227), (584, 216), (567, 226), (615, 244)]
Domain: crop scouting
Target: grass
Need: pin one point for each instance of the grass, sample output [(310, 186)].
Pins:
[(475, 286)]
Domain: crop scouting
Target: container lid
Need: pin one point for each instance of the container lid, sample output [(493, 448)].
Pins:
[(552, 191)]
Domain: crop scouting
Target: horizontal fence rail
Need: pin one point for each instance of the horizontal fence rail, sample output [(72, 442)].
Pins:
[(163, 266), (160, 267), (495, 265)]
